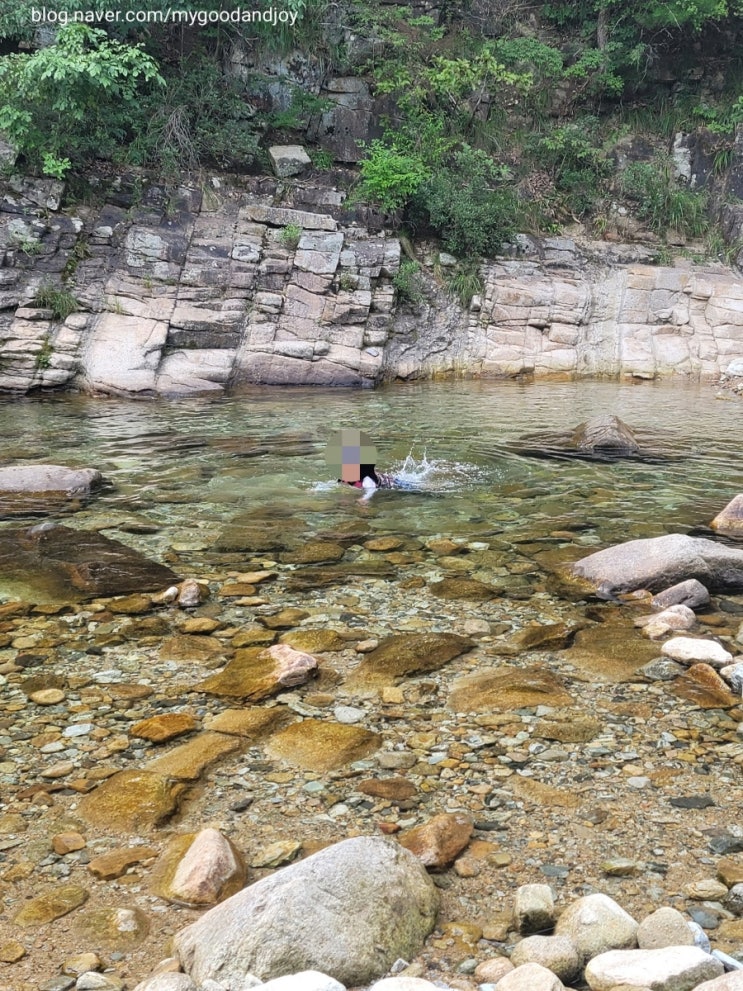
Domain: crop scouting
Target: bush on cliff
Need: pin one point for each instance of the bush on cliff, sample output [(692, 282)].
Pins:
[(74, 100)]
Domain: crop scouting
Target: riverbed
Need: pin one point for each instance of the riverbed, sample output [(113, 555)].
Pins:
[(567, 774)]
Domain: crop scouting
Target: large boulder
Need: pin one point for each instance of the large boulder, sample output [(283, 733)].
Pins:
[(349, 911), (61, 563), (605, 434), (657, 562)]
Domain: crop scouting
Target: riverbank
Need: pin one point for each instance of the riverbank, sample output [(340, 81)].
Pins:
[(170, 292)]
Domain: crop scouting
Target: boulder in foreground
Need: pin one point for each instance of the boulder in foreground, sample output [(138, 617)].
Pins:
[(298, 919), (657, 562)]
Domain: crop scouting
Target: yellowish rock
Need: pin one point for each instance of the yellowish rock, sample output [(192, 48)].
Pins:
[(507, 687), (51, 905), (68, 842), (47, 696), (163, 727), (118, 928), (540, 793), (254, 724), (276, 854), (322, 746), (314, 641), (11, 951), (131, 801), (188, 761), (115, 863), (199, 869)]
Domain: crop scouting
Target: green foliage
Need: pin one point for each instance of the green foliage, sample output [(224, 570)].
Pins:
[(202, 120), (408, 283), (321, 159), (661, 202), (30, 246), (466, 281), (390, 177), (572, 155), (57, 299), (302, 108), (44, 355), (74, 100), (290, 236), (348, 282), (468, 204)]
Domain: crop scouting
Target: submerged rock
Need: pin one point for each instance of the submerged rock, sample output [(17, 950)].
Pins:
[(657, 562), (605, 434), (322, 746), (298, 918), (44, 488), (410, 653), (131, 801), (61, 563)]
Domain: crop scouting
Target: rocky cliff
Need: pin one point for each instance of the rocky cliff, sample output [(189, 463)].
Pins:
[(190, 290)]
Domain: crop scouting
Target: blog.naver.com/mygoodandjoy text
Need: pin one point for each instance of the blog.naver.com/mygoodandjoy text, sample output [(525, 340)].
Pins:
[(167, 15)]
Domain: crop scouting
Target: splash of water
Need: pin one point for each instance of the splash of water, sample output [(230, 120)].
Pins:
[(436, 474)]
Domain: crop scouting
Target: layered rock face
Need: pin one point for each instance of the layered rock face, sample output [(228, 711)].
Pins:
[(190, 291)]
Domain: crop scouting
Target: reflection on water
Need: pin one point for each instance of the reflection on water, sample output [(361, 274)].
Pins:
[(193, 465)]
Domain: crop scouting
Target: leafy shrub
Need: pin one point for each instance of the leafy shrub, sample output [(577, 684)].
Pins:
[(390, 177), (661, 201), (74, 100), (575, 161), (408, 283), (465, 205), (203, 120)]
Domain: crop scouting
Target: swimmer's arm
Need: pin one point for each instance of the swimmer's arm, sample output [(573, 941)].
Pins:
[(369, 487)]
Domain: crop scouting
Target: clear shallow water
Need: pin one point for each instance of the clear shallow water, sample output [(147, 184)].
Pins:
[(193, 465)]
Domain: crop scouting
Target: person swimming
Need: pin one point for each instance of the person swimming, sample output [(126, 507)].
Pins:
[(370, 480)]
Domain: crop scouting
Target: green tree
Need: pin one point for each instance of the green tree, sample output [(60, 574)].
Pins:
[(74, 100)]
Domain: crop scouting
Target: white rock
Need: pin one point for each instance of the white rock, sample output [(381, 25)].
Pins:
[(49, 478), (674, 968), (678, 617), (733, 675), (167, 982), (530, 977), (595, 924), (689, 650), (665, 927), (726, 982), (298, 918), (306, 980), (207, 867)]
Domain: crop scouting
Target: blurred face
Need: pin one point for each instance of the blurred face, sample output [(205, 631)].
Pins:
[(347, 450)]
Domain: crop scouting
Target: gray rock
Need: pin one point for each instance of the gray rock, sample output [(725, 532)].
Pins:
[(662, 669), (534, 908), (675, 968), (665, 927), (73, 482), (690, 593), (733, 674), (404, 984), (556, 953), (734, 900), (288, 160), (596, 924), (297, 919), (701, 939), (656, 562), (605, 434)]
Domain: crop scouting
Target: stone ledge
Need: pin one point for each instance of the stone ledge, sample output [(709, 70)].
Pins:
[(281, 216)]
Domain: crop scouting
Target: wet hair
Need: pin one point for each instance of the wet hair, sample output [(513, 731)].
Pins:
[(367, 471)]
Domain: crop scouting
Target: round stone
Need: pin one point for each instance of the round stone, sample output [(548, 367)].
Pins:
[(48, 696)]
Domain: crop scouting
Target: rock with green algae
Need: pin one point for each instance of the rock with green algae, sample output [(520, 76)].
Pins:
[(315, 641), (131, 801), (314, 552), (51, 905), (116, 928), (409, 653)]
